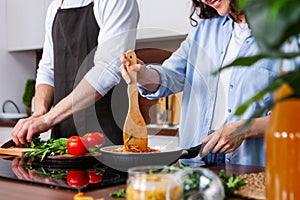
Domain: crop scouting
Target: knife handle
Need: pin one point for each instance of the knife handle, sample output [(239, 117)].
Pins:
[(7, 144)]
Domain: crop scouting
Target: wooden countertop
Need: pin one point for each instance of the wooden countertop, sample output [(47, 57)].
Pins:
[(27, 191), (7, 123)]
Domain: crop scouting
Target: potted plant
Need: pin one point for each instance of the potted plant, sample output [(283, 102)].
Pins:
[(28, 94)]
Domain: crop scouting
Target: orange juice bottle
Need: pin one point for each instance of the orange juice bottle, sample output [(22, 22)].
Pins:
[(283, 149)]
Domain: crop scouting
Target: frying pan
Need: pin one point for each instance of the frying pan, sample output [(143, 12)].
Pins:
[(122, 161)]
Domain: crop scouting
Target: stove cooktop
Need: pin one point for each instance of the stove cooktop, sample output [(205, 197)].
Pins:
[(80, 177)]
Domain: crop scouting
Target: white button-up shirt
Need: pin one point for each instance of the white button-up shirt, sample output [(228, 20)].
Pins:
[(117, 20)]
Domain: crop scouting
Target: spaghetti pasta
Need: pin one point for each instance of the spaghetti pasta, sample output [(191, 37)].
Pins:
[(133, 148)]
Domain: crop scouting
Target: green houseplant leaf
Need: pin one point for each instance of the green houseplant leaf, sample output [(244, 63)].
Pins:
[(292, 78), (249, 61), (272, 22)]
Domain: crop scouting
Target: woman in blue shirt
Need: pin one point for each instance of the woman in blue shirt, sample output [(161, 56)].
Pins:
[(219, 37)]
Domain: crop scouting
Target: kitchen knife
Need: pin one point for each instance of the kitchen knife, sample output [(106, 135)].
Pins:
[(7, 144)]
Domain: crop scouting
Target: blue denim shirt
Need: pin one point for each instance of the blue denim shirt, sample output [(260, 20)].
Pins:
[(190, 68)]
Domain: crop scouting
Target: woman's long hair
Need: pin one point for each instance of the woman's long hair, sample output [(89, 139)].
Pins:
[(204, 11)]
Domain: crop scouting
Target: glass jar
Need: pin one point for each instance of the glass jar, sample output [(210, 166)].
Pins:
[(153, 183), (201, 184), (172, 183)]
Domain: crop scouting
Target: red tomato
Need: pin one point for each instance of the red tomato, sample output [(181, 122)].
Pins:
[(93, 138), (95, 177), (78, 178), (75, 146)]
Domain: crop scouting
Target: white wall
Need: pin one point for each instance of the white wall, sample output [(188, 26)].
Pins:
[(15, 68)]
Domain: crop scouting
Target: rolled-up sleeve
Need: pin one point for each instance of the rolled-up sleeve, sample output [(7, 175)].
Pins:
[(118, 23), (172, 73)]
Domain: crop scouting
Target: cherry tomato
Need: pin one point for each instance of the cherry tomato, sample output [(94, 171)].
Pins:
[(75, 146), (95, 176), (93, 138), (78, 178)]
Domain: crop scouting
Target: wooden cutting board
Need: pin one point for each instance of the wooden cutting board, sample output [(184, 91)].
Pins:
[(14, 151)]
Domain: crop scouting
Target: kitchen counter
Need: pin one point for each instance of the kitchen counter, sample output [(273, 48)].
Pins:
[(162, 129), (153, 129), (8, 123), (10, 119), (27, 191)]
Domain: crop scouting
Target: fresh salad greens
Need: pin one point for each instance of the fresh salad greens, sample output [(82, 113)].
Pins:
[(45, 148), (119, 194), (231, 182)]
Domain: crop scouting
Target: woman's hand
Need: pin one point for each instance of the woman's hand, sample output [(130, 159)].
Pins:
[(227, 138), (147, 78), (139, 67), (223, 140)]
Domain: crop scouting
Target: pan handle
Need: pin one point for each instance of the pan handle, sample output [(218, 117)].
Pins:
[(193, 151)]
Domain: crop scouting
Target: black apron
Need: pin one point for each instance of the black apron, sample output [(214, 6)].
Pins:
[(75, 33)]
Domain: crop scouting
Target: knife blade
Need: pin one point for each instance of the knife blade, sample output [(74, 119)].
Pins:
[(7, 144)]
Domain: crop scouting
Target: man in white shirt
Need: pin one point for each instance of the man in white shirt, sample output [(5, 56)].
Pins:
[(82, 44)]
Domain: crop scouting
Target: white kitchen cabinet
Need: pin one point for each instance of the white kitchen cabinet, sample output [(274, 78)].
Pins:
[(158, 19), (25, 24), (163, 18)]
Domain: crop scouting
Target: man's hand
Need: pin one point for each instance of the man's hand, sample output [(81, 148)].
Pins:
[(28, 128)]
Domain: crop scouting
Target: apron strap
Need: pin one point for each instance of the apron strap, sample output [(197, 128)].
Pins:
[(62, 1)]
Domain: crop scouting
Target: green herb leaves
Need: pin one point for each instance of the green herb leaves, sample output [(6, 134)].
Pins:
[(45, 148), (231, 182), (119, 194)]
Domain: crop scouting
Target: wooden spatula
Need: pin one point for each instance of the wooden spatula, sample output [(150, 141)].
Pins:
[(134, 131)]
